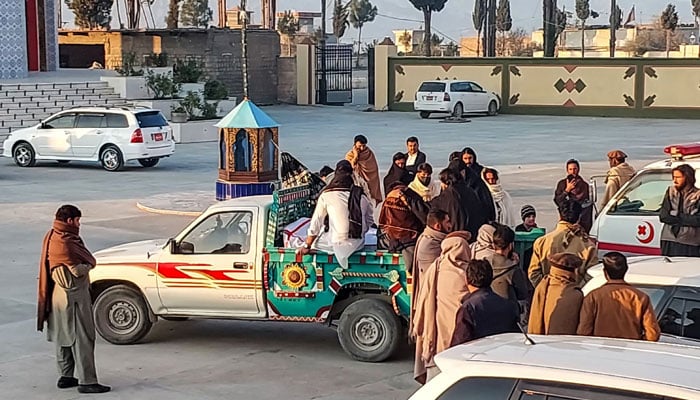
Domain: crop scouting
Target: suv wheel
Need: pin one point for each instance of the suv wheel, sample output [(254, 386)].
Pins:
[(111, 158), (369, 330), (24, 155), (458, 110), (493, 108), (148, 162)]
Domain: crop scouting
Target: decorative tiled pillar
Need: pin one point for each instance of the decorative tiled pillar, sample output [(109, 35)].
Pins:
[(13, 40), (51, 29)]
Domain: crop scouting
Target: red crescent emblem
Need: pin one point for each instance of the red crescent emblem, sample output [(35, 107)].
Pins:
[(645, 232)]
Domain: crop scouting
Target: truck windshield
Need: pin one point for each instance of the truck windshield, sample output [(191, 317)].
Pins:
[(644, 195)]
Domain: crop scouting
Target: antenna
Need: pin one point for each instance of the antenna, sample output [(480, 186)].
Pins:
[(524, 332)]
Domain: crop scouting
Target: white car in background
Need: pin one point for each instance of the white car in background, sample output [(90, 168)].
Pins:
[(455, 98), (673, 286), (508, 367), (109, 135)]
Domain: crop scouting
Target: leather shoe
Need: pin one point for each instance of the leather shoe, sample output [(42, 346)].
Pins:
[(94, 388), (66, 382)]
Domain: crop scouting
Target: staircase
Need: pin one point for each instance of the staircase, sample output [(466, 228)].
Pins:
[(26, 104)]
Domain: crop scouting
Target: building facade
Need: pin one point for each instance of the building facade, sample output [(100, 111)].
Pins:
[(28, 37)]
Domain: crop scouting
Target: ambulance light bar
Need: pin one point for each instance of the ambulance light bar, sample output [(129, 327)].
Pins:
[(678, 151)]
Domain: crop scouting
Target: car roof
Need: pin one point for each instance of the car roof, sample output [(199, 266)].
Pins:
[(668, 164), (659, 270), (248, 201), (446, 81), (617, 363), (134, 110)]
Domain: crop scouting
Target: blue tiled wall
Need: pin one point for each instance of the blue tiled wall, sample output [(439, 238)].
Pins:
[(13, 40)]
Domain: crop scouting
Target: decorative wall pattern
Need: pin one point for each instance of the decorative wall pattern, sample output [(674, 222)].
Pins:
[(671, 86), (409, 77), (13, 40)]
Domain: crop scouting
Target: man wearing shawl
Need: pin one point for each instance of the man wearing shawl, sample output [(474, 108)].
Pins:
[(469, 159), (423, 184), (349, 215), (473, 180), (619, 173), (443, 285), (567, 237), (575, 188), (460, 202), (397, 172), (505, 210), (64, 302), (365, 164)]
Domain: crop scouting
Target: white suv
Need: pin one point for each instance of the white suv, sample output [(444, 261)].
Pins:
[(111, 136), (456, 98)]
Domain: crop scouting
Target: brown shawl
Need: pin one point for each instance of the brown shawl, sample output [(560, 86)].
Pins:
[(62, 246), (556, 304), (365, 164)]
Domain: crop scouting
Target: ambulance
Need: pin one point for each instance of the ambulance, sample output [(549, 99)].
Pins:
[(629, 223)]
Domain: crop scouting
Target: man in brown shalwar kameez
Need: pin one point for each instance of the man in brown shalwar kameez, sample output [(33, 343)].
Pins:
[(365, 165), (64, 302)]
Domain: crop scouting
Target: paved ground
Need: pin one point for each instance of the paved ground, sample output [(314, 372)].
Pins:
[(224, 359)]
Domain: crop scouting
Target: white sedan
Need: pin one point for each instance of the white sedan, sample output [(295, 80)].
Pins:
[(511, 367), (455, 98)]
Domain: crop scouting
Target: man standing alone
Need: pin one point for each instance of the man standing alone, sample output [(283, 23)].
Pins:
[(64, 301), (617, 309), (680, 214), (575, 188)]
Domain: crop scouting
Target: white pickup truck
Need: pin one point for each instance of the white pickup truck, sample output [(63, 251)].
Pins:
[(229, 263)]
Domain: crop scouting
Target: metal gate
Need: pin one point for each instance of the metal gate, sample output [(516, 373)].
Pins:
[(370, 75), (334, 74)]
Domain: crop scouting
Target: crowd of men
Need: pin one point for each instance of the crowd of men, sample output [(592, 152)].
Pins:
[(457, 236)]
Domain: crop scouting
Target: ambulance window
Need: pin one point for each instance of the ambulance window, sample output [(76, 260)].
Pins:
[(644, 195)]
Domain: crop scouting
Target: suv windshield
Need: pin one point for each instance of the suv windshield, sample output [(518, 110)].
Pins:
[(644, 194), (432, 87), (151, 119)]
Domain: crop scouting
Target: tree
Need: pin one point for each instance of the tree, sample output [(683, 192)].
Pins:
[(583, 12), (288, 26), (361, 12), (406, 41), (615, 24), (173, 18), (133, 13), (428, 7), (435, 42), (516, 44), (340, 19), (549, 17), (669, 21), (91, 14), (478, 19), (195, 13), (504, 22)]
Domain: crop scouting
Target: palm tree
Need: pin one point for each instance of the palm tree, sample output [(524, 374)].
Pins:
[(340, 19), (428, 7), (361, 12), (669, 21), (478, 19)]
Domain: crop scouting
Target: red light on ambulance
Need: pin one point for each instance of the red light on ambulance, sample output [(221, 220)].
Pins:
[(678, 151)]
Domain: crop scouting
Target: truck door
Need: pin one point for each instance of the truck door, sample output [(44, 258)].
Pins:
[(212, 268), (630, 222)]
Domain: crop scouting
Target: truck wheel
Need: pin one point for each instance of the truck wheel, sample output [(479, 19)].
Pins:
[(121, 315), (369, 330)]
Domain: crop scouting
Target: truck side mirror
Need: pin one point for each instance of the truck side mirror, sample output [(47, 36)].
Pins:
[(172, 246)]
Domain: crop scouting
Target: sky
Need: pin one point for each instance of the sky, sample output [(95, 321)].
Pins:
[(451, 23)]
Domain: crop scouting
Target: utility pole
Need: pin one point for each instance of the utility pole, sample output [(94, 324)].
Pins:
[(613, 22), (244, 48), (322, 48)]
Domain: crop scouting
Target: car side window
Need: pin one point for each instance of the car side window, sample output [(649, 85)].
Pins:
[(116, 121), (457, 87), (221, 233), (644, 195), (487, 389), (476, 87), (682, 318), (65, 121), (89, 121), (541, 390)]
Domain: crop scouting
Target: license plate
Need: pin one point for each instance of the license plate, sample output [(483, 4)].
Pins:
[(158, 137), (429, 97)]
